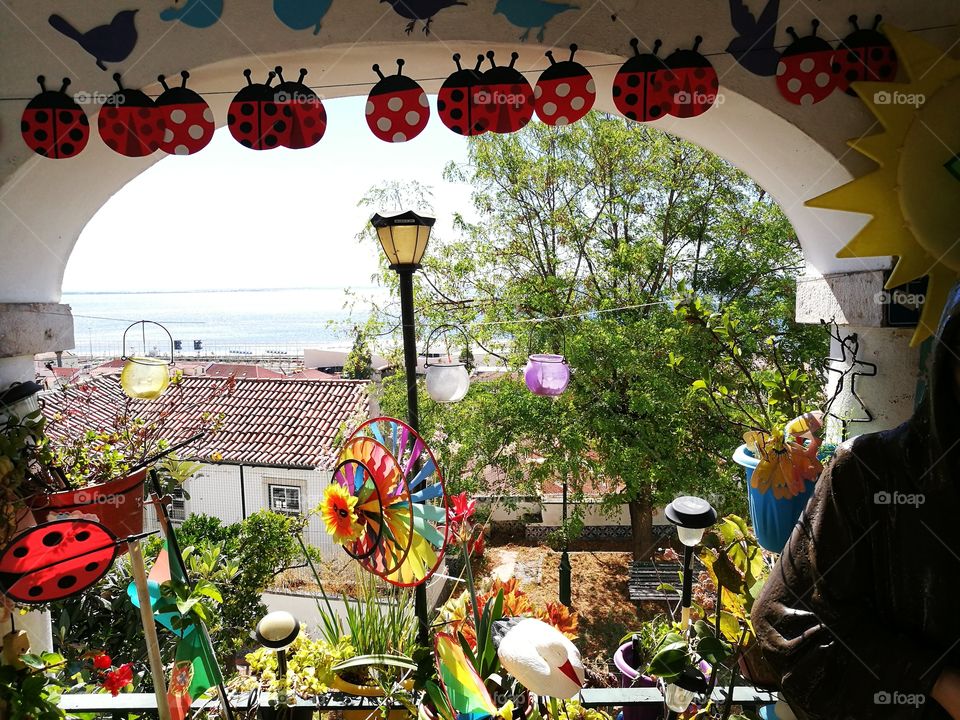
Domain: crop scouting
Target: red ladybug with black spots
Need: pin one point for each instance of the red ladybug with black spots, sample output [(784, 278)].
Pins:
[(188, 120), (864, 54), (640, 89), (254, 117), (691, 82), (302, 117), (509, 96), (805, 73), (397, 107), (130, 123), (462, 102), (565, 91), (53, 124)]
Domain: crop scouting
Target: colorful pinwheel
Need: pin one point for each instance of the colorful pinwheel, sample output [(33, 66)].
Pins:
[(465, 691)]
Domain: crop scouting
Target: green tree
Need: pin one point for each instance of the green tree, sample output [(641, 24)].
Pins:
[(359, 362)]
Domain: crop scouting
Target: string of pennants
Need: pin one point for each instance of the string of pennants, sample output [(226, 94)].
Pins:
[(471, 101)]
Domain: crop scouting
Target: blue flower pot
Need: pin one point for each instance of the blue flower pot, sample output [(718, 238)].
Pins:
[(772, 519)]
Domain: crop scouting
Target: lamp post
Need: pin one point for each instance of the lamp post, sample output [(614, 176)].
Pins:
[(691, 515), (404, 237), (276, 631)]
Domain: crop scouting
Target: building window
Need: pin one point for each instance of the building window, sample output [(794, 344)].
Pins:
[(285, 499), (178, 504)]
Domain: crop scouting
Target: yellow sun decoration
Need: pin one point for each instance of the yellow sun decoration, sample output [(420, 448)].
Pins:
[(339, 514)]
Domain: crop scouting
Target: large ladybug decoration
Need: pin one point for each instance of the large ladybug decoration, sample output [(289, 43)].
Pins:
[(509, 96), (864, 54), (462, 100), (805, 72), (640, 89), (130, 123), (565, 91), (397, 107), (253, 115), (187, 118), (302, 117), (53, 124), (691, 82), (56, 560)]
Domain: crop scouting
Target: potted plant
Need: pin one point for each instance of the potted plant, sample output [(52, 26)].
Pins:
[(632, 659)]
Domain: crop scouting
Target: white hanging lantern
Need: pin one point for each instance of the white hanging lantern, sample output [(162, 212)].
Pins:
[(20, 400), (447, 382)]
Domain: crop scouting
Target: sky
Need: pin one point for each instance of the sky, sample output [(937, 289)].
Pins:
[(233, 218)]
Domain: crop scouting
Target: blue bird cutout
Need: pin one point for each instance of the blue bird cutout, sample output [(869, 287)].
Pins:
[(110, 43), (753, 47), (301, 14), (423, 10), (195, 13), (530, 14)]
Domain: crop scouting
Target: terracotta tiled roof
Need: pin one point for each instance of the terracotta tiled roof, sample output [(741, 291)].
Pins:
[(240, 370), (311, 374), (267, 422)]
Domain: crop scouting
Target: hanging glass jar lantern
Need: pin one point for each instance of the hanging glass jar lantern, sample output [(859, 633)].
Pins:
[(20, 400), (145, 377), (447, 382), (547, 374)]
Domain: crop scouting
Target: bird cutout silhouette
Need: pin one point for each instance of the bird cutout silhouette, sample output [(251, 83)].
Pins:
[(195, 13), (852, 367), (110, 43), (301, 14), (422, 10), (754, 47), (531, 14)]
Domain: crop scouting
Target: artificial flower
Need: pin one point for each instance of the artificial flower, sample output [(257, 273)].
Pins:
[(117, 680), (561, 617), (338, 510), (460, 509), (102, 661)]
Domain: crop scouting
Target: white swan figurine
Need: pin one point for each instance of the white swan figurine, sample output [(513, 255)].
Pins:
[(539, 656)]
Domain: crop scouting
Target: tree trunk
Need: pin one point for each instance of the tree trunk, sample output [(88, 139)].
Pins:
[(641, 525)]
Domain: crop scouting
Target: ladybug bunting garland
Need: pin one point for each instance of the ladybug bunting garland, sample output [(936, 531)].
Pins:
[(461, 101), (397, 107), (252, 114), (640, 89), (864, 54), (53, 124), (188, 120), (508, 95), (303, 119), (692, 82), (805, 73), (130, 123), (565, 91)]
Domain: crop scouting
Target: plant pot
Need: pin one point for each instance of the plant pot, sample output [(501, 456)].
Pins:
[(773, 519), (266, 711), (631, 677), (117, 504), (370, 691), (755, 669)]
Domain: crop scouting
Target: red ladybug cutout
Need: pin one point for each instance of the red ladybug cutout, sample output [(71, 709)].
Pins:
[(254, 116), (56, 560), (805, 72), (53, 125), (864, 54), (509, 96), (130, 123), (187, 118), (302, 117), (565, 91), (397, 107), (461, 101), (691, 81), (640, 85)]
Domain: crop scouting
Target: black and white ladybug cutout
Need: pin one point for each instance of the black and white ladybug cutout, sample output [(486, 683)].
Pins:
[(565, 91), (509, 96), (462, 100), (53, 124), (805, 73), (864, 55), (188, 120), (130, 123), (640, 85), (692, 82), (397, 107)]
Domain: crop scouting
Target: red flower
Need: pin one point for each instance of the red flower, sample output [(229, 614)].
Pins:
[(102, 661), (117, 680), (461, 509), (477, 546)]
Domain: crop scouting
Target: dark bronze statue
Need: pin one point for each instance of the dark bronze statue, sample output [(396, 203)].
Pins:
[(861, 615)]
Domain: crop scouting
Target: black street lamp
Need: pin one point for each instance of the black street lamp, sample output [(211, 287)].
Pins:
[(404, 237), (691, 515)]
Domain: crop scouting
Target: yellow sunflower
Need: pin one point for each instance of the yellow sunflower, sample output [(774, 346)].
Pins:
[(338, 510)]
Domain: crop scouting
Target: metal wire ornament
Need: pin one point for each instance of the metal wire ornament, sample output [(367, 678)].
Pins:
[(851, 367)]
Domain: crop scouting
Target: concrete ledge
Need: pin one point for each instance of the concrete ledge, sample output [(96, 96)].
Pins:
[(848, 298), (31, 328)]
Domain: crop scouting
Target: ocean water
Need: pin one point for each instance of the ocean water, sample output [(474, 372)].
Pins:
[(230, 322)]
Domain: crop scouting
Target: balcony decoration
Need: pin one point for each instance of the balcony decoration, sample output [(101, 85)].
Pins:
[(53, 124), (391, 514), (188, 120), (864, 55), (145, 377), (129, 122), (639, 87), (306, 118), (21, 401), (509, 97), (805, 73), (397, 108), (565, 91), (447, 380), (461, 101)]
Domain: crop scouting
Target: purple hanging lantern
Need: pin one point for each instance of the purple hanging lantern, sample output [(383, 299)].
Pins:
[(547, 374)]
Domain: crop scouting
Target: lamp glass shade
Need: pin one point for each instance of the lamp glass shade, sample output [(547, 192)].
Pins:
[(447, 382), (20, 400), (145, 378), (676, 698), (547, 374), (278, 629), (690, 537), (403, 236)]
